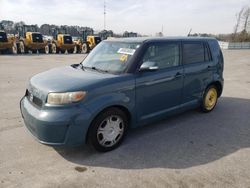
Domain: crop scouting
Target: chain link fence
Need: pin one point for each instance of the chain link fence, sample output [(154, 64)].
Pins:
[(234, 45)]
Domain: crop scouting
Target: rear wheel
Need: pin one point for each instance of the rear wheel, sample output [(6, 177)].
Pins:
[(210, 98), (108, 129)]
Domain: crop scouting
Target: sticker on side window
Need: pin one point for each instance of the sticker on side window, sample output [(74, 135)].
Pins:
[(127, 51)]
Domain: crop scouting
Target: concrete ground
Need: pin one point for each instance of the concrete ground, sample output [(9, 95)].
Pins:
[(189, 150)]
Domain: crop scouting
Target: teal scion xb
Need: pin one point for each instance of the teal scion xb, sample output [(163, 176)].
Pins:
[(121, 84)]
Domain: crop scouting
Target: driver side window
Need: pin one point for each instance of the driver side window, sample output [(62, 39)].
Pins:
[(164, 55)]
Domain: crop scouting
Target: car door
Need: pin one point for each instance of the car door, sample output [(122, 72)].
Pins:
[(198, 67), (159, 91)]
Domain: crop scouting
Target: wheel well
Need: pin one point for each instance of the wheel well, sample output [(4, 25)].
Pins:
[(124, 109), (218, 85)]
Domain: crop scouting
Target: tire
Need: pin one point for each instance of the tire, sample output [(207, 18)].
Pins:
[(46, 49), (22, 48), (76, 49), (209, 99), (104, 136), (18, 48), (85, 48), (14, 49), (53, 48), (62, 51)]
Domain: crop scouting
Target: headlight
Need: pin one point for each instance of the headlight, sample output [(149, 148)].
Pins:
[(65, 98)]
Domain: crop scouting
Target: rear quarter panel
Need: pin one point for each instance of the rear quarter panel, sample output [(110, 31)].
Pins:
[(218, 60)]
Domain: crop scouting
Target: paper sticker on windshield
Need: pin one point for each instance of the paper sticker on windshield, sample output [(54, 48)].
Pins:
[(127, 51)]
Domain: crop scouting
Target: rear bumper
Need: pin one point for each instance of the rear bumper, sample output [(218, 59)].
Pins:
[(56, 126)]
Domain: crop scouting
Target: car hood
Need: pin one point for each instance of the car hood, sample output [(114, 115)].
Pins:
[(65, 79)]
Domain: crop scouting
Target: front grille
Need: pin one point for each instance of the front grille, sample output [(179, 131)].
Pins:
[(33, 99), (3, 37)]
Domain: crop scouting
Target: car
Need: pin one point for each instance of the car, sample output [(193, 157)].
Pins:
[(123, 83)]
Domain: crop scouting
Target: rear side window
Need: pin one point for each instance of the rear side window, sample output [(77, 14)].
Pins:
[(163, 54), (195, 52)]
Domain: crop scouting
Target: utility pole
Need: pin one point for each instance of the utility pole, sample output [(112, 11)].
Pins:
[(189, 33), (104, 14)]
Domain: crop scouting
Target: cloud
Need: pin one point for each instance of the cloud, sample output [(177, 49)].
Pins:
[(144, 16)]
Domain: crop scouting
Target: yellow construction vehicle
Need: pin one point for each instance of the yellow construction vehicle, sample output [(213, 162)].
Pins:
[(87, 42), (7, 44), (90, 43), (32, 41), (61, 43)]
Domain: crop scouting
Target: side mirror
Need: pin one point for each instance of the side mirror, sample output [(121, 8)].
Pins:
[(148, 66)]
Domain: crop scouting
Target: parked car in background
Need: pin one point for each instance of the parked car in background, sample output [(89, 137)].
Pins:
[(121, 84)]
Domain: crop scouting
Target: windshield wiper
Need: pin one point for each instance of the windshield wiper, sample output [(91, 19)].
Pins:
[(92, 68), (99, 70)]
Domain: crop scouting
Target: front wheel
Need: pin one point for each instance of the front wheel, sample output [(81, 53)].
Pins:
[(108, 130), (46, 49), (23, 49), (53, 48), (210, 98), (14, 49), (85, 48)]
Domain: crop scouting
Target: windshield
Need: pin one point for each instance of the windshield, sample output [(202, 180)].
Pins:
[(111, 56)]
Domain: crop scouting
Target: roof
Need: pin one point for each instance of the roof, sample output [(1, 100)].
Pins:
[(145, 39)]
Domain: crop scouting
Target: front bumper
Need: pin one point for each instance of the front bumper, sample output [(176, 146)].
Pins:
[(56, 125)]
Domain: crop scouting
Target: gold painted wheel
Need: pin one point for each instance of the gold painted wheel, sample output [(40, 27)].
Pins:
[(210, 98)]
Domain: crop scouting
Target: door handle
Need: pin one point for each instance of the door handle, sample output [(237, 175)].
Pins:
[(178, 74), (209, 67)]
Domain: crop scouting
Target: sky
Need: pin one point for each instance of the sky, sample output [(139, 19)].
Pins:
[(148, 17)]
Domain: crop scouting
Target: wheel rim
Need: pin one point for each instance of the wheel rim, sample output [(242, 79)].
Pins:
[(75, 50), (47, 49), (210, 99), (84, 48), (53, 48), (22, 47), (110, 131), (14, 49)]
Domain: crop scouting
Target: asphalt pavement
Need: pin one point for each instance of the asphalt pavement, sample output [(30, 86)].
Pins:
[(191, 149)]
